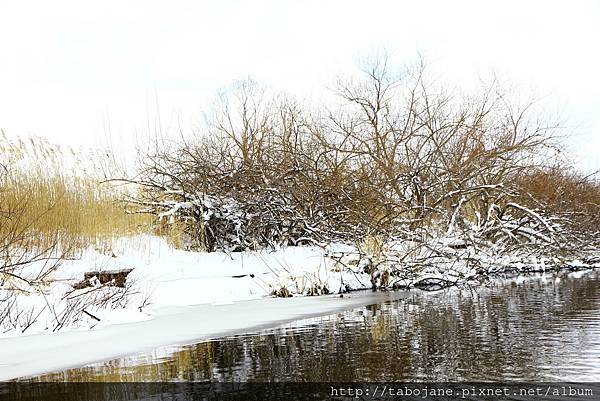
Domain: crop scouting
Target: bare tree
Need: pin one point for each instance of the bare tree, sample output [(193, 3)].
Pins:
[(398, 159)]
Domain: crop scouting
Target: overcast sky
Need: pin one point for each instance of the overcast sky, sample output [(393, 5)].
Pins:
[(68, 69)]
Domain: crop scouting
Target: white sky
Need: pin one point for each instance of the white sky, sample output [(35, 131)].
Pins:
[(69, 67)]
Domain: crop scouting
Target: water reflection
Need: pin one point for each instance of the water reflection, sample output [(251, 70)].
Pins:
[(544, 328)]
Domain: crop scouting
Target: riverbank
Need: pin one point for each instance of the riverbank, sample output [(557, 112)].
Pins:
[(175, 327), (161, 277), (76, 296), (543, 327), (173, 296)]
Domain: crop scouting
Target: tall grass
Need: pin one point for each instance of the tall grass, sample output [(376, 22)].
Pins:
[(51, 193)]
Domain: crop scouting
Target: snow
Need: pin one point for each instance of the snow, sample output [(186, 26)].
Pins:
[(166, 277)]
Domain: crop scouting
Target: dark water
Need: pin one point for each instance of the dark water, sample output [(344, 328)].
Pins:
[(542, 328)]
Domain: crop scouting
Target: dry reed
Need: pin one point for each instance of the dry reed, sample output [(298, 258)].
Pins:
[(50, 192)]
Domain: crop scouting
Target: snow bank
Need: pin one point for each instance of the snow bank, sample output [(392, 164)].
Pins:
[(164, 277)]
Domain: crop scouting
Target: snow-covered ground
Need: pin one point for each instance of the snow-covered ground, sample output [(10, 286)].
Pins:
[(164, 277)]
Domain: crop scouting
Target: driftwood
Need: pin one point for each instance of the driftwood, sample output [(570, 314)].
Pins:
[(111, 278)]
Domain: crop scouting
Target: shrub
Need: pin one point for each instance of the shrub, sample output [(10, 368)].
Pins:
[(397, 159)]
